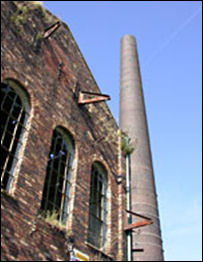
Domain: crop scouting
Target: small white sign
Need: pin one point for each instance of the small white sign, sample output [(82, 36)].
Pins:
[(79, 256)]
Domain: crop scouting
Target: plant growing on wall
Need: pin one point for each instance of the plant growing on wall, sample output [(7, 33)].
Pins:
[(52, 219), (127, 147), (21, 15), (19, 18)]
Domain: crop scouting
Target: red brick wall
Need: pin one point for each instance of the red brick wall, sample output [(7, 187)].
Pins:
[(53, 103)]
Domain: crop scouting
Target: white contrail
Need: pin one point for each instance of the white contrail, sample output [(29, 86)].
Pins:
[(172, 36)]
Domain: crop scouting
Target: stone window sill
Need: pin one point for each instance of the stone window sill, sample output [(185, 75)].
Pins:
[(99, 250), (7, 194)]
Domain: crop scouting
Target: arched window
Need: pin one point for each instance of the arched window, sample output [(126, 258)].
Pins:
[(14, 114), (56, 193), (98, 206)]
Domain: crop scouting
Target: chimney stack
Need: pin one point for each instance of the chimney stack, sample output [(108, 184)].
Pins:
[(133, 122)]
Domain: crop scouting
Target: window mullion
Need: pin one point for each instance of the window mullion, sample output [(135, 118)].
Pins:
[(63, 193), (4, 98), (57, 186), (98, 206), (50, 175), (56, 194), (12, 142), (7, 121), (14, 118)]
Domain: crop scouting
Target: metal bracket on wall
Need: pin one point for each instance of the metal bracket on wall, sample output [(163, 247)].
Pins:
[(142, 223), (138, 250), (88, 97), (51, 29)]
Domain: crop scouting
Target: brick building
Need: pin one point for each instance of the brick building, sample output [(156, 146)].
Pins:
[(72, 185), (61, 171)]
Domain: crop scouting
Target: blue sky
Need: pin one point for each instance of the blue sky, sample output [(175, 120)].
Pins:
[(169, 39)]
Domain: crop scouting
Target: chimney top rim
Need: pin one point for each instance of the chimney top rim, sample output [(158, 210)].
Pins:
[(128, 36)]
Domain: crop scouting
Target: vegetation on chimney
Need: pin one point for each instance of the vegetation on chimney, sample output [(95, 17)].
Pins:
[(127, 147)]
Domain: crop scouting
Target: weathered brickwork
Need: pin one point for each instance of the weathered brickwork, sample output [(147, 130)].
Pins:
[(51, 70)]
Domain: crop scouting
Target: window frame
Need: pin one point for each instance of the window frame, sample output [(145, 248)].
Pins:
[(52, 173), (99, 212), (16, 156)]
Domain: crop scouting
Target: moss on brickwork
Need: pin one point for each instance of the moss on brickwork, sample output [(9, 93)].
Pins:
[(24, 10)]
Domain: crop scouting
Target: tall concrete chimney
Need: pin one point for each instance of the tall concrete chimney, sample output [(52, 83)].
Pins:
[(133, 122)]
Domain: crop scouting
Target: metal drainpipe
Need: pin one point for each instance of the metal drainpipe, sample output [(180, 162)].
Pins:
[(129, 217)]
